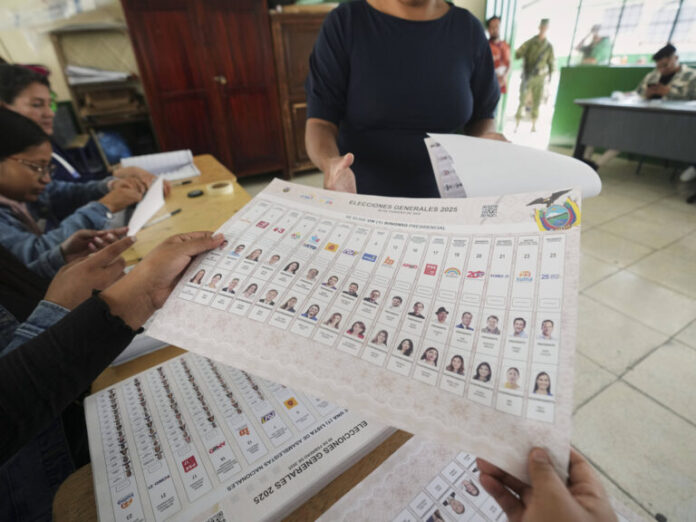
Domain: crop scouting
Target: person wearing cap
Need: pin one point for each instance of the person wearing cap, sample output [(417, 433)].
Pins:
[(441, 315), (670, 80), (538, 66), (500, 50), (596, 51)]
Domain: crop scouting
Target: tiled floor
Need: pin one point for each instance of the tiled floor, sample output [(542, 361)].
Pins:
[(635, 384)]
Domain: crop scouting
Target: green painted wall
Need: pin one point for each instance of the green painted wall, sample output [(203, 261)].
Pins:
[(587, 82)]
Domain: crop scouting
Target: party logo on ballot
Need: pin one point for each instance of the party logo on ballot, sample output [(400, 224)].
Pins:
[(331, 247), (452, 272), (370, 257), (189, 464), (430, 269)]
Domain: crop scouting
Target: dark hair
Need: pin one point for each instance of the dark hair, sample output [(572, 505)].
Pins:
[(15, 78), (666, 52), (536, 386), (488, 22), (520, 319), (409, 350), (18, 133), (437, 354), (450, 368), (478, 368)]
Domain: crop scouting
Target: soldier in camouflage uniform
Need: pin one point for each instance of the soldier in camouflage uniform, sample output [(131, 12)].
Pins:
[(537, 54)]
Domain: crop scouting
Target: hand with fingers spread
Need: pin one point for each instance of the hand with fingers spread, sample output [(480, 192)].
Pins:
[(74, 283), (142, 175), (123, 193), (340, 177), (548, 499), (135, 297), (85, 242)]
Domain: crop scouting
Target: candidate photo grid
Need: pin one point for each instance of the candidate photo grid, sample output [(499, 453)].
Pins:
[(506, 358), (187, 412)]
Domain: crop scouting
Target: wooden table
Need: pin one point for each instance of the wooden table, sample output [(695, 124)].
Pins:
[(206, 212), (75, 500)]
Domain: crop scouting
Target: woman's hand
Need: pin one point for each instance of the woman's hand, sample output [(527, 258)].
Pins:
[(124, 193), (142, 175), (135, 297), (339, 176), (74, 283), (85, 242), (548, 499)]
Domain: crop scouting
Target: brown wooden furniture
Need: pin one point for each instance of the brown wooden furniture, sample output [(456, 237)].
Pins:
[(207, 68), (295, 29), (206, 212)]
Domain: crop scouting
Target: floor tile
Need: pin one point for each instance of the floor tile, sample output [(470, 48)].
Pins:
[(688, 335), (593, 270), (685, 247), (589, 379), (656, 306), (647, 450), (610, 338), (640, 191), (611, 248), (603, 208), (623, 503), (668, 375), (677, 273), (654, 226)]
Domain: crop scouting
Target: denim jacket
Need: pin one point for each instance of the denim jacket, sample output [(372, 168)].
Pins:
[(14, 334), (71, 205)]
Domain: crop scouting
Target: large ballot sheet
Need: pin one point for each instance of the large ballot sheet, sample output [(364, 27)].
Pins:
[(428, 482), (452, 319)]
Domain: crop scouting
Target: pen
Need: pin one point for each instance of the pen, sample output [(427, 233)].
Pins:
[(162, 218), (187, 182)]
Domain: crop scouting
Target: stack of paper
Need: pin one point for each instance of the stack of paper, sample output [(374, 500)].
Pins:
[(171, 166), (78, 75)]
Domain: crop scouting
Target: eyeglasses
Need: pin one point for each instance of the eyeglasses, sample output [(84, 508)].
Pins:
[(38, 168)]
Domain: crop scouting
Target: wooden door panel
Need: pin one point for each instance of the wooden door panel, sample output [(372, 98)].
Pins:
[(185, 124), (239, 51), (299, 121), (256, 141), (165, 35), (298, 44)]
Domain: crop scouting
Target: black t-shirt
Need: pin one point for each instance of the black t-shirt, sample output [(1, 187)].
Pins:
[(386, 82)]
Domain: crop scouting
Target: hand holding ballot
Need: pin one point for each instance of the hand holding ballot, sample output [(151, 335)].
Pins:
[(142, 176), (548, 498), (136, 297)]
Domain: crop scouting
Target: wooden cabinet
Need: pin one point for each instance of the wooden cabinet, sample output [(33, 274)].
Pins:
[(295, 30), (207, 69)]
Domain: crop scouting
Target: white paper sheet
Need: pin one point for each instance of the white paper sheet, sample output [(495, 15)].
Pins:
[(321, 290), (424, 481), (496, 168), (195, 441), (148, 207), (172, 166)]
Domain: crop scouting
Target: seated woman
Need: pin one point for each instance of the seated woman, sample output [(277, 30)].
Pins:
[(41, 373), (28, 92), (28, 196)]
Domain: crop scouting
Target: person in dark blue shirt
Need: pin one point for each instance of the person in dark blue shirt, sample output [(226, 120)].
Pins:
[(382, 74)]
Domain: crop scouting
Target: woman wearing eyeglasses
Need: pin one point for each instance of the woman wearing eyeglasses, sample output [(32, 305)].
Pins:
[(28, 196)]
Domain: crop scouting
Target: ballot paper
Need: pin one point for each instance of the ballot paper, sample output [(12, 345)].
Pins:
[(148, 207), (453, 319), (194, 440), (475, 167), (424, 481), (172, 166)]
